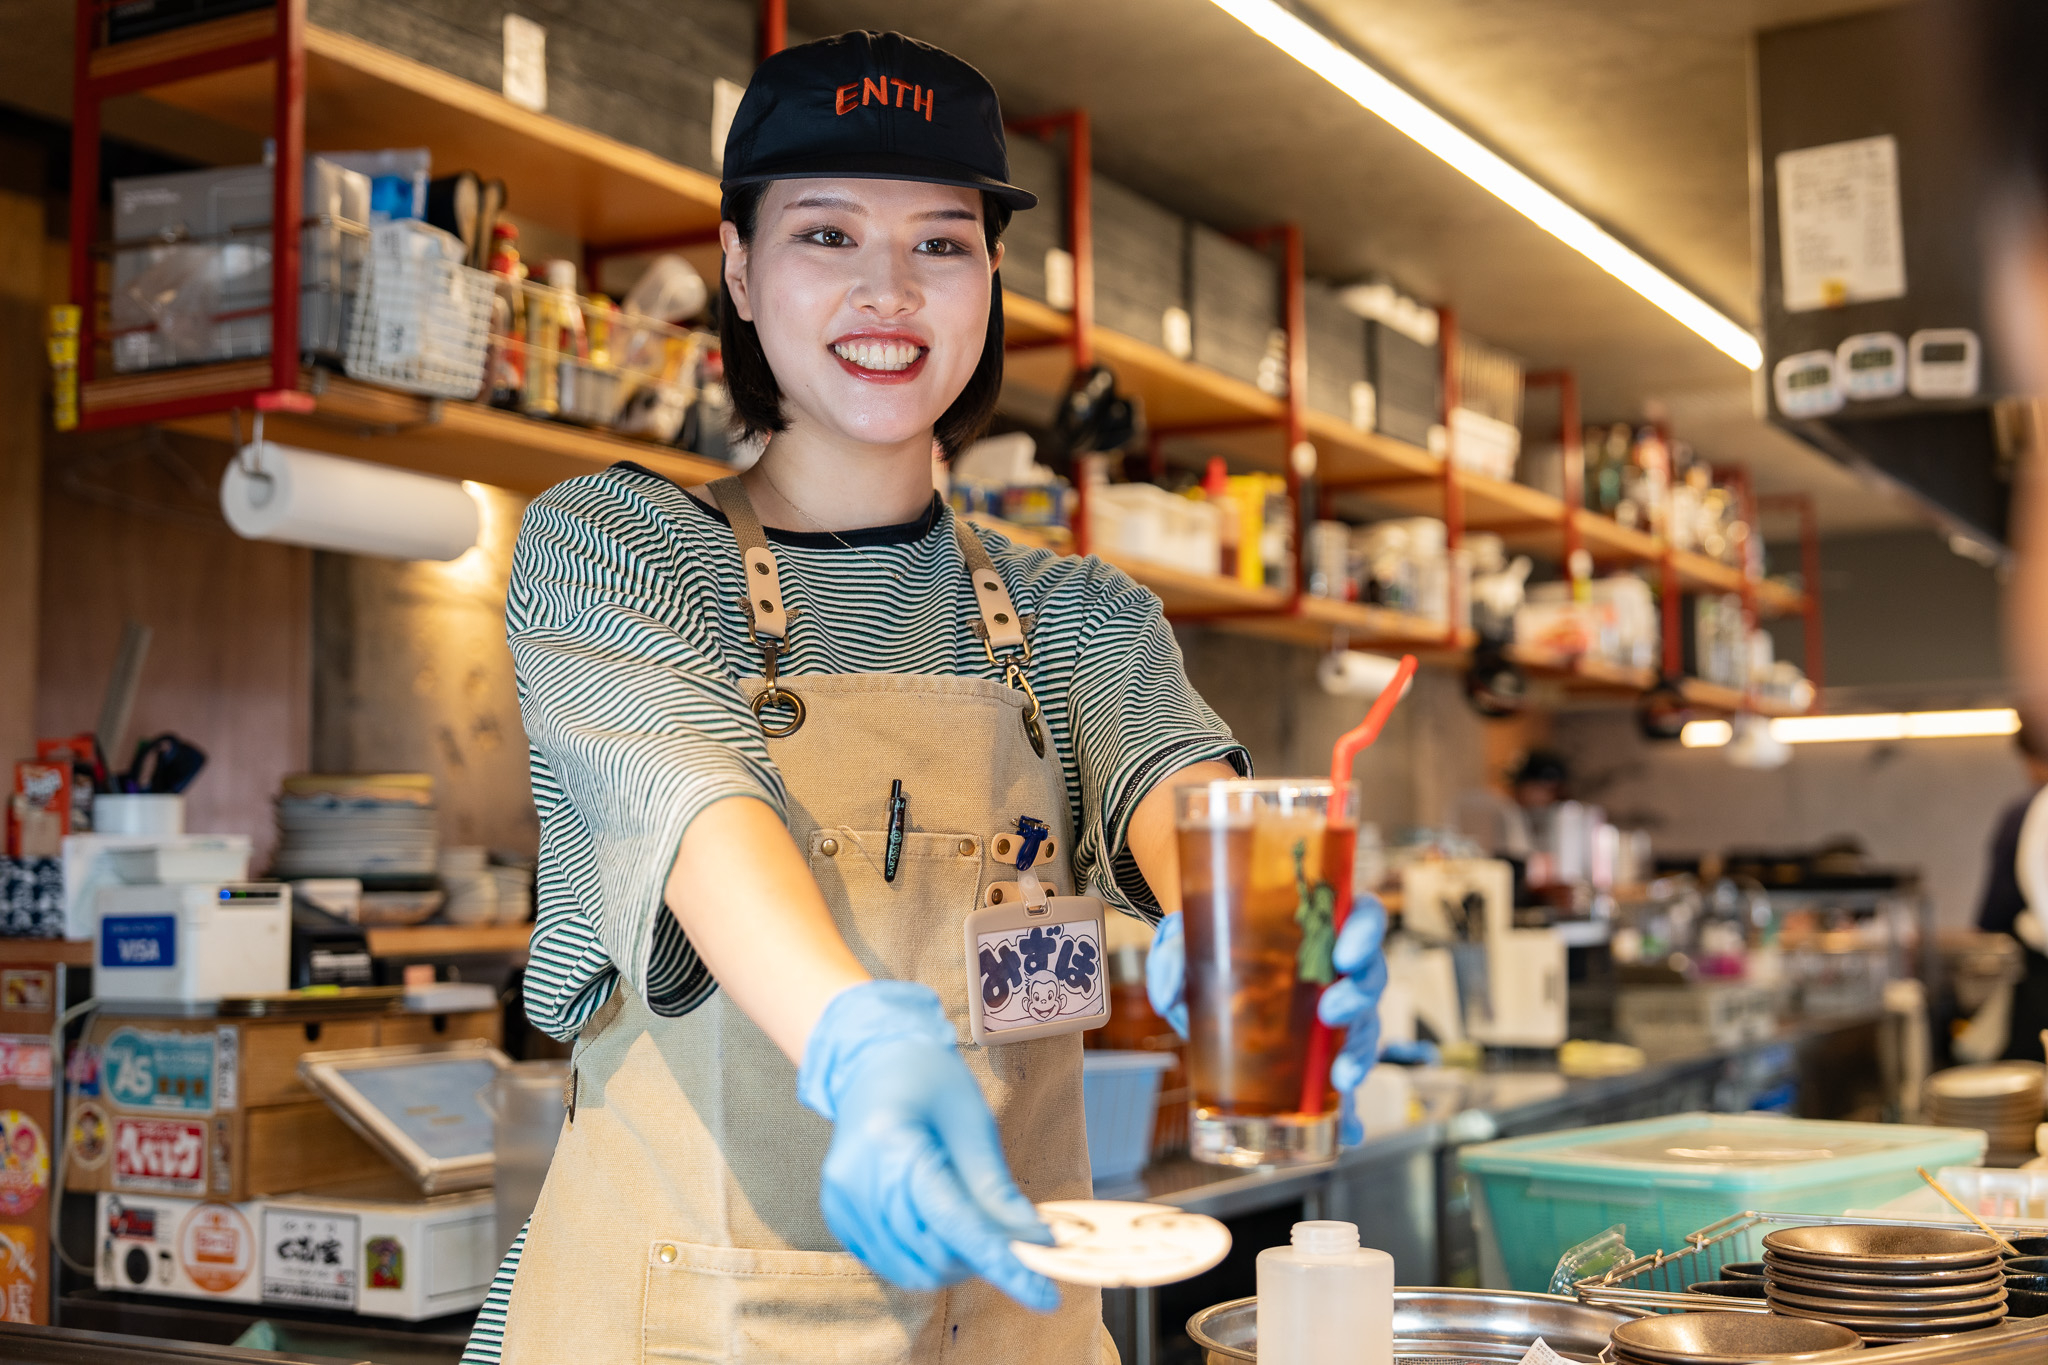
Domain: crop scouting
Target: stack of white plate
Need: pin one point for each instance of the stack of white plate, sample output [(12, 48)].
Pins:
[(1886, 1283), (374, 826), (2004, 1099)]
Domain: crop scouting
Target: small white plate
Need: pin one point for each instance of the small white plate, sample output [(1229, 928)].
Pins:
[(1112, 1244)]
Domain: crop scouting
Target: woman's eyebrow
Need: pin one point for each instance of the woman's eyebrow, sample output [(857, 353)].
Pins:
[(829, 201), (947, 215)]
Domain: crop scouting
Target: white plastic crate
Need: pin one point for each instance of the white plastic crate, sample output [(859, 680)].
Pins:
[(422, 320)]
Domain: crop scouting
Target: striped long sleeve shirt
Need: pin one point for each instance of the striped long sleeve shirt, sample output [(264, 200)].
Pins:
[(628, 637)]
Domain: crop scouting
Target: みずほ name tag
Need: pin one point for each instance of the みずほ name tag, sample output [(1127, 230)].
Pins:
[(1035, 965)]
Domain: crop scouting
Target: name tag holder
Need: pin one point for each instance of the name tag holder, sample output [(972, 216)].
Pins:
[(1035, 964)]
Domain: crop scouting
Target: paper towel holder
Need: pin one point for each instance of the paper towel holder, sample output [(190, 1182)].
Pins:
[(330, 502)]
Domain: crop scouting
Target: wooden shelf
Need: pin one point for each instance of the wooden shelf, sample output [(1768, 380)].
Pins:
[(1582, 674), (360, 95), (1697, 573), (1774, 598), (451, 940), (362, 421), (46, 952), (1712, 696)]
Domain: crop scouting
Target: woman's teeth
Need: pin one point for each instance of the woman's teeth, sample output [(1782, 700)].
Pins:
[(878, 355)]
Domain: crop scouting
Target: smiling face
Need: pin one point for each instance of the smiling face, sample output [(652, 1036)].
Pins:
[(871, 300)]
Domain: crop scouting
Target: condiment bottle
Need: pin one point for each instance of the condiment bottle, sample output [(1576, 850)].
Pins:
[(1325, 1300)]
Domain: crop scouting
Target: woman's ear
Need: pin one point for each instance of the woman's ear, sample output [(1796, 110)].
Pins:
[(735, 267), (995, 260)]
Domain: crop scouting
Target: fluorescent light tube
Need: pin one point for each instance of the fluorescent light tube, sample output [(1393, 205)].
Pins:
[(1493, 173), (1869, 727)]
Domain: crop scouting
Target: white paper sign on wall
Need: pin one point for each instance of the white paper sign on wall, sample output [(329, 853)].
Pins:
[(526, 63), (1839, 235)]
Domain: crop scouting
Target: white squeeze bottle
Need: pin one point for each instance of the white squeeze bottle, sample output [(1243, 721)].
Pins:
[(1326, 1300)]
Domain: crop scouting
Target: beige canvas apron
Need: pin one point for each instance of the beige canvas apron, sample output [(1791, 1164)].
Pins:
[(680, 1219)]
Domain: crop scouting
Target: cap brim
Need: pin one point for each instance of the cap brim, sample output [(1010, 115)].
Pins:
[(880, 166)]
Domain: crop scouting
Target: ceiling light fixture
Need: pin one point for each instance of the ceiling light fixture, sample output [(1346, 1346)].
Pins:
[(1493, 173), (1888, 725)]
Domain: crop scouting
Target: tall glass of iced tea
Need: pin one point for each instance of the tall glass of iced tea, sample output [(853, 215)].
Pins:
[(1256, 859)]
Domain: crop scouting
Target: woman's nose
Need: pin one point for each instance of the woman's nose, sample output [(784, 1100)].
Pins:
[(886, 286)]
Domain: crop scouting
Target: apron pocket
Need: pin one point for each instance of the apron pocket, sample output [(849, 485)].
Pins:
[(735, 1306)]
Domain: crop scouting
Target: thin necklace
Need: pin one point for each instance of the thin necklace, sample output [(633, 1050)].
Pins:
[(817, 525)]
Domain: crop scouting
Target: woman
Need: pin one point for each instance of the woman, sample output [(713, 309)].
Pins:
[(757, 950)]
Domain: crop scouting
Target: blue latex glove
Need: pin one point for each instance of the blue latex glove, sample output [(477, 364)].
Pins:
[(914, 1183), (1350, 1002)]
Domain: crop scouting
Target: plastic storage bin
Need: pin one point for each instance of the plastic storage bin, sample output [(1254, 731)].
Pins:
[(1120, 1095), (1535, 1197)]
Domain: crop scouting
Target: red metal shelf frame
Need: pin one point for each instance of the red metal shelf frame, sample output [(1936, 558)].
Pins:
[(285, 48)]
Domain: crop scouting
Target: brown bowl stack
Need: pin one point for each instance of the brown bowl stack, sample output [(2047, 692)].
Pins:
[(1725, 1339), (1886, 1284)]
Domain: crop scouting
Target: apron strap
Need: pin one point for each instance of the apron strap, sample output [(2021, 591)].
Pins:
[(765, 613), (1000, 627), (767, 618)]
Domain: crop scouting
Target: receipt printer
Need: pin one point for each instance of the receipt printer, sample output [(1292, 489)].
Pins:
[(192, 943)]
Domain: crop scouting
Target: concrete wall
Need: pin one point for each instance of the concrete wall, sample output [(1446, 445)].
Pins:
[(637, 70), (411, 673)]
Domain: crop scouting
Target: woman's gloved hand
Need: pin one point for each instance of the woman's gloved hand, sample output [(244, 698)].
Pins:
[(1350, 1002), (914, 1183)]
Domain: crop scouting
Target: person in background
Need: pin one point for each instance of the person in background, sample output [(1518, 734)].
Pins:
[(2003, 909)]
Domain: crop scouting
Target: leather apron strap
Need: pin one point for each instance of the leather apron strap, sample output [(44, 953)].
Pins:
[(767, 617)]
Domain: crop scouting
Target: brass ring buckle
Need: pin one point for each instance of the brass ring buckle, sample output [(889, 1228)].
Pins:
[(778, 696)]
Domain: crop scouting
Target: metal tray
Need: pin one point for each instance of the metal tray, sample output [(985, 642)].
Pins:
[(1440, 1327)]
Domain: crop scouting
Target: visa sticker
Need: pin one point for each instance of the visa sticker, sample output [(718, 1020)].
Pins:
[(138, 941)]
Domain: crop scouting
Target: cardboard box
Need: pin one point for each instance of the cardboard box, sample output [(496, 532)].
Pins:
[(1235, 297), (203, 1108), (1140, 262), (372, 1250)]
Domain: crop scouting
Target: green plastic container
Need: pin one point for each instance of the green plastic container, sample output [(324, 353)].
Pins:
[(1534, 1198)]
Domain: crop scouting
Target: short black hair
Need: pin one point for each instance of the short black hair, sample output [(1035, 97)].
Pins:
[(757, 398)]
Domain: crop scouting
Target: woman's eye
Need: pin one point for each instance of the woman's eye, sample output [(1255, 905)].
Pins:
[(942, 246), (828, 237)]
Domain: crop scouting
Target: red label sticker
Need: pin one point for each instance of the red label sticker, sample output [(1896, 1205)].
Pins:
[(166, 1155), (25, 989), (24, 1162), (25, 1061)]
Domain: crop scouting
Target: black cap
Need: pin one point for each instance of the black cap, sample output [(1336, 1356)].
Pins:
[(874, 106)]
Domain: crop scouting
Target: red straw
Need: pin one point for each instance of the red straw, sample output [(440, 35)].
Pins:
[(1315, 1076)]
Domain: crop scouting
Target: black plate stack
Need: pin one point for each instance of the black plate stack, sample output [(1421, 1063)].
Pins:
[(1886, 1284), (1725, 1339)]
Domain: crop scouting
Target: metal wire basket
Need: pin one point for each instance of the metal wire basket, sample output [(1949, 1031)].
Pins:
[(422, 319), (1656, 1283)]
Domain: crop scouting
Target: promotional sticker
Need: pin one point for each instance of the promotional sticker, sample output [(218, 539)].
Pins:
[(88, 1136), (227, 1054), (1040, 974), (166, 1156), (130, 1223), (138, 941), (386, 1258), (215, 1247), (82, 1069), (17, 1272), (26, 990), (24, 1163), (223, 1158), (309, 1258), (153, 1069), (25, 1061)]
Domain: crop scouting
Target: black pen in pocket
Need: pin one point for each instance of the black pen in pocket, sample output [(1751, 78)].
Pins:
[(894, 853)]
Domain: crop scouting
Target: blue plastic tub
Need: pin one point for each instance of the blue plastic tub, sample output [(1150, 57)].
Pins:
[(1536, 1197), (1120, 1092)]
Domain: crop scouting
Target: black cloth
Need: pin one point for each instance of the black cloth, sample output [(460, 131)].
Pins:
[(2000, 907)]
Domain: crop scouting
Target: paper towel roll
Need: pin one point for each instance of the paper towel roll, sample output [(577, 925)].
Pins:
[(274, 492), (1351, 673)]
